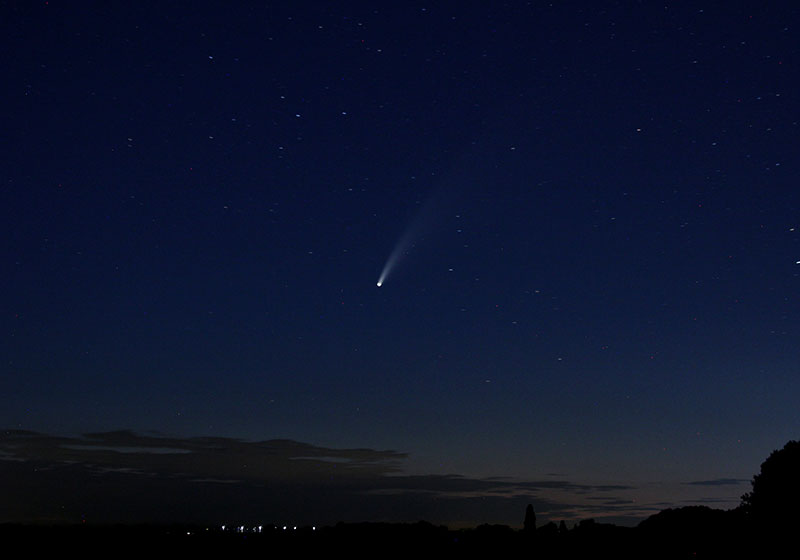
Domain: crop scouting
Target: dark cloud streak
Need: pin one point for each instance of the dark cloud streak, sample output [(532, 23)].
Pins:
[(128, 477), (719, 482)]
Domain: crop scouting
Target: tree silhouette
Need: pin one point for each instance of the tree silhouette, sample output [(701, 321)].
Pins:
[(773, 503), (530, 519)]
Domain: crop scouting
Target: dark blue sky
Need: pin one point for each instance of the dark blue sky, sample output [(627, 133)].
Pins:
[(597, 203)]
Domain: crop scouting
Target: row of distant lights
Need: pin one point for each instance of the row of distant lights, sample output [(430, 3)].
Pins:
[(260, 528)]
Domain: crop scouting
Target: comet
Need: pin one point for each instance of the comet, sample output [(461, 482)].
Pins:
[(419, 224), (397, 253)]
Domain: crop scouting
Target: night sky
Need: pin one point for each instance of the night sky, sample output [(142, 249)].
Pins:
[(589, 213)]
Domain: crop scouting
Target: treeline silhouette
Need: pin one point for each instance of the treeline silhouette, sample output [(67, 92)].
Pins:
[(761, 524)]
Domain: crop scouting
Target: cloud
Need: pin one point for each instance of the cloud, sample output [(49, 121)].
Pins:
[(123, 476), (718, 482)]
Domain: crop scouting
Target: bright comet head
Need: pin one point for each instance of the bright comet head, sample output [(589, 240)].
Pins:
[(380, 283)]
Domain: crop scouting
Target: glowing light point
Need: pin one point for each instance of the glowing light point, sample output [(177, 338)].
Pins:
[(380, 283)]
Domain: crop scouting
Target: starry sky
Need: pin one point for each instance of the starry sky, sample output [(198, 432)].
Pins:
[(589, 211)]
